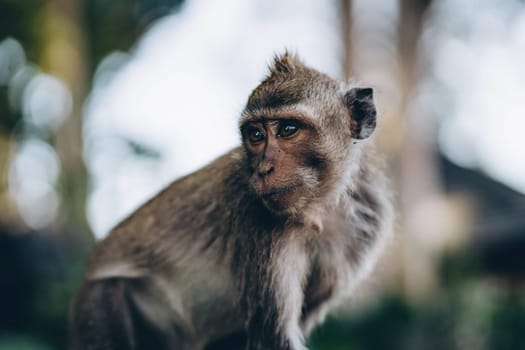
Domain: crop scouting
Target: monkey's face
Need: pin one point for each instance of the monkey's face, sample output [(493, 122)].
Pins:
[(298, 129), (285, 168)]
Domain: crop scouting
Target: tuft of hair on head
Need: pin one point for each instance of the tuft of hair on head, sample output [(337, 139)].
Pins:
[(285, 63)]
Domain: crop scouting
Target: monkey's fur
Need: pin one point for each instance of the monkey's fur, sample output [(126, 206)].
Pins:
[(260, 243)]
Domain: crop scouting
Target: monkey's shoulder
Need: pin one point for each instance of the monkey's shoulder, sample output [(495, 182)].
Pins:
[(165, 227)]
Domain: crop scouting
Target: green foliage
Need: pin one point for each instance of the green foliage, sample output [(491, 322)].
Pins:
[(18, 19), (19, 342), (471, 312)]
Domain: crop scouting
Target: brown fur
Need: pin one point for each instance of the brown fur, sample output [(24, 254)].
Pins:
[(261, 242)]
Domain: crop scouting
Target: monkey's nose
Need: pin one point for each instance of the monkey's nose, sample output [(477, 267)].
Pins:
[(265, 169)]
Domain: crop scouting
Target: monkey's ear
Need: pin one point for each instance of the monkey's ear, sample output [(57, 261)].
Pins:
[(284, 64), (360, 103)]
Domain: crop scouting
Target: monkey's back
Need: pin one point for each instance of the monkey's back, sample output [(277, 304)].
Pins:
[(177, 281), (165, 228)]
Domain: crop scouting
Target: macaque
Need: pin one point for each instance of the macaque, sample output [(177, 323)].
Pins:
[(252, 250)]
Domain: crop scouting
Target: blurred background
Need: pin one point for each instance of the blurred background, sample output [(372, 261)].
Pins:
[(104, 102)]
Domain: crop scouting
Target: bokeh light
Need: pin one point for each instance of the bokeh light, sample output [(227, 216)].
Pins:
[(33, 175)]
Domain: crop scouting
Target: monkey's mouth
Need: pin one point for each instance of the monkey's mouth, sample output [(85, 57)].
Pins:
[(278, 195)]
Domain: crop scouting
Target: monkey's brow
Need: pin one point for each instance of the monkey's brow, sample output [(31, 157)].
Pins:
[(296, 111), (274, 99), (295, 116)]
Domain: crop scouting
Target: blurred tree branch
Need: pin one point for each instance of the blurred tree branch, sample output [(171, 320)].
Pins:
[(346, 36), (64, 55)]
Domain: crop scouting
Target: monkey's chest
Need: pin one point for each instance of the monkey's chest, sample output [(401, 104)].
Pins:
[(330, 278)]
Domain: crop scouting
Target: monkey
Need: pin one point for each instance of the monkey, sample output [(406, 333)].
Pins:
[(252, 250)]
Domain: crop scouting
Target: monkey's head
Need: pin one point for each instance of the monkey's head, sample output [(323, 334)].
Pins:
[(300, 130)]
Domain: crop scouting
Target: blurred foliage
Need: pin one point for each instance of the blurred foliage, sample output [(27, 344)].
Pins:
[(117, 24), (109, 25), (40, 272), (19, 19), (22, 342), (469, 311)]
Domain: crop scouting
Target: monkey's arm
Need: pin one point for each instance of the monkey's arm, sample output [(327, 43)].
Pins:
[(110, 327), (105, 317)]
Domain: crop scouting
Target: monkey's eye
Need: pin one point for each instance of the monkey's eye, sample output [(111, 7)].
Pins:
[(287, 129), (254, 134)]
